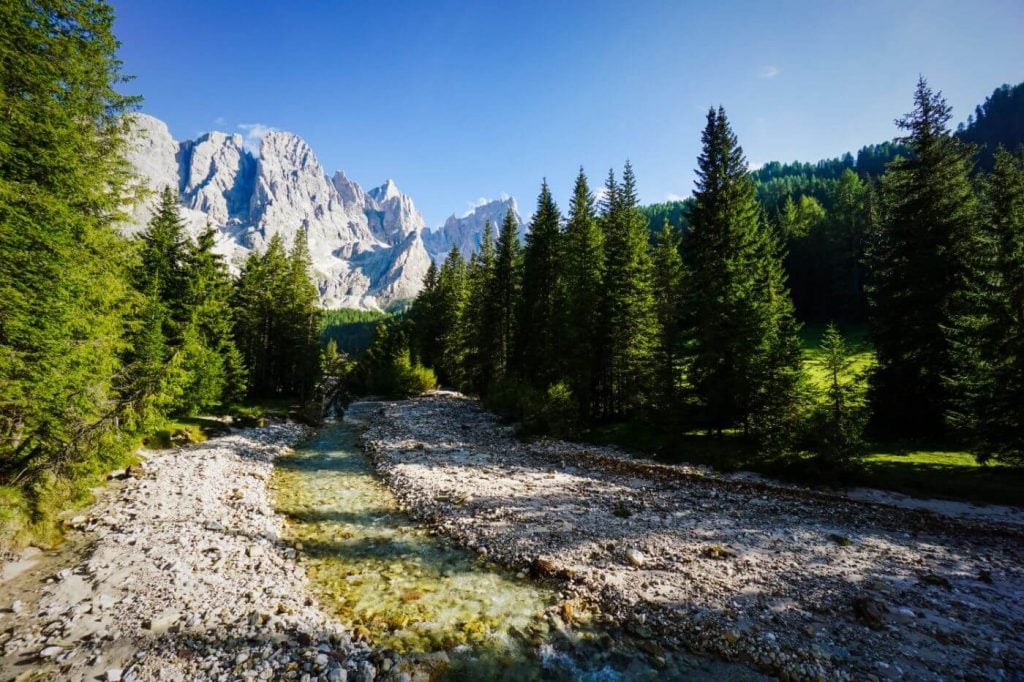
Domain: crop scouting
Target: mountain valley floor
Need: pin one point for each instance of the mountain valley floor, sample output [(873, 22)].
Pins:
[(800, 583)]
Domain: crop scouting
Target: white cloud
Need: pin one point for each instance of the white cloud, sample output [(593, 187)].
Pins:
[(672, 196), (219, 121), (253, 133), (769, 71)]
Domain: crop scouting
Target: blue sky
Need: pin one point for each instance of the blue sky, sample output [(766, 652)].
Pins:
[(462, 100)]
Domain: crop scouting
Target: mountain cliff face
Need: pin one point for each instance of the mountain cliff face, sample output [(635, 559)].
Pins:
[(368, 247), (466, 232)]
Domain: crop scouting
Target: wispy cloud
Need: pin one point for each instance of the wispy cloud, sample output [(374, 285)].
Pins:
[(253, 133), (672, 196), (219, 121), (769, 71)]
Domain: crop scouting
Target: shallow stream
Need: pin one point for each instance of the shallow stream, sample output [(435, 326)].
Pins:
[(393, 583)]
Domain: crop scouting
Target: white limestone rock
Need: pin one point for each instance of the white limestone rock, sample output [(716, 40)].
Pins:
[(368, 248), (465, 232)]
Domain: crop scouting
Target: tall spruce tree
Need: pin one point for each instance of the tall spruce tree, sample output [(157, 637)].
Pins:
[(478, 326), (424, 323), (64, 289), (581, 300), (987, 385), (742, 353), (668, 288), (505, 292), (301, 333), (449, 308), (920, 261), (629, 299), (537, 329)]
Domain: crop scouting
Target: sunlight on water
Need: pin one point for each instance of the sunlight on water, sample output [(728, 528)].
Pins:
[(399, 587)]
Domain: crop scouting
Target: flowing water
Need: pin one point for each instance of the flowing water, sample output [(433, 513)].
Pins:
[(401, 588)]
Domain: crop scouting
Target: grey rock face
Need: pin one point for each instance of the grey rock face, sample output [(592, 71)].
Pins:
[(466, 232), (368, 248)]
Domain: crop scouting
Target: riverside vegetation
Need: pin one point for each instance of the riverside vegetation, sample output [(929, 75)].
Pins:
[(103, 338), (683, 338)]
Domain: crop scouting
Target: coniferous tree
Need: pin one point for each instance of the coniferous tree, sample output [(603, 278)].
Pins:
[(583, 324), (742, 361), (302, 332), (449, 310), (277, 320), (164, 245), (920, 260), (668, 287), (987, 385), (424, 331), (505, 292), (630, 307), (479, 337), (64, 286), (838, 425), (537, 328)]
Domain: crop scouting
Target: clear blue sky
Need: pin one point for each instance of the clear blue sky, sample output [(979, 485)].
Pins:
[(461, 100)]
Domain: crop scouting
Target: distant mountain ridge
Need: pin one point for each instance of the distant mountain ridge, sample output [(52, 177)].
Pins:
[(369, 248)]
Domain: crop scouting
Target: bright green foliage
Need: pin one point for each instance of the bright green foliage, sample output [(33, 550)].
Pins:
[(988, 349), (581, 299), (669, 276), (920, 260), (215, 363), (504, 294), (387, 369), (277, 323), (838, 423), (742, 352), (479, 336), (537, 329), (63, 282), (350, 329), (629, 299), (162, 266)]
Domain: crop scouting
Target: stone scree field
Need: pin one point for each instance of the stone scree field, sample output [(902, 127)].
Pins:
[(802, 584)]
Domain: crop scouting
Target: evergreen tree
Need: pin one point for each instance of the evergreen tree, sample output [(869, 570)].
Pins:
[(479, 337), (277, 321), (630, 308), (162, 255), (920, 260), (583, 326), (839, 422), (537, 329), (742, 361), (302, 323), (668, 287), (449, 309), (505, 292), (987, 385), (424, 329), (64, 288)]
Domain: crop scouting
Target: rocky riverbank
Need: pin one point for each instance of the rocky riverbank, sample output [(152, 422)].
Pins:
[(799, 583), (177, 573)]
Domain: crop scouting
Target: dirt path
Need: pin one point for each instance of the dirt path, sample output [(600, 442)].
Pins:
[(802, 584), (176, 574)]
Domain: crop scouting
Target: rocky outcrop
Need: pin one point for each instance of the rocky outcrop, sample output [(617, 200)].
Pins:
[(465, 232), (368, 247)]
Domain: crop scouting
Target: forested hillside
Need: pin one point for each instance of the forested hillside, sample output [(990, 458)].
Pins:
[(599, 319), (103, 338), (822, 208)]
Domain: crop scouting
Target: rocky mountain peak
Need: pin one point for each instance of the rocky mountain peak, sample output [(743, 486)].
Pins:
[(369, 249)]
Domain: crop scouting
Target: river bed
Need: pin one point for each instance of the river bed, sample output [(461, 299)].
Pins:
[(399, 587)]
